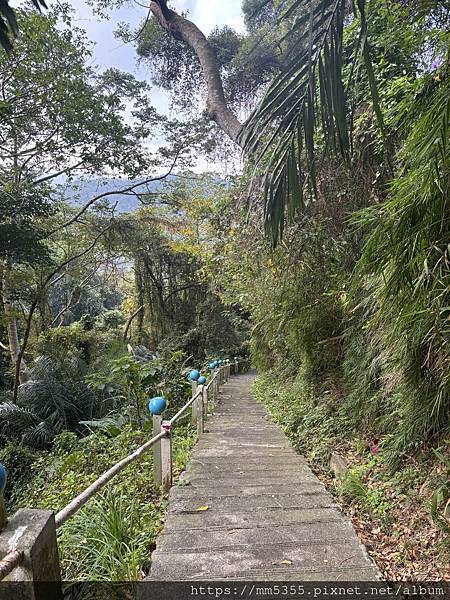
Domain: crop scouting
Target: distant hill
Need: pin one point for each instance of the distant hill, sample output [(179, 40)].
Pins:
[(82, 190)]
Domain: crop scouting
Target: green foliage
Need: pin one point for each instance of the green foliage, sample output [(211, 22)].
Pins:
[(405, 273), (23, 240), (339, 62), (128, 378), (135, 377), (112, 536), (9, 27), (111, 319), (353, 488), (73, 108), (314, 424), (54, 399), (18, 460), (64, 344), (282, 127), (106, 541)]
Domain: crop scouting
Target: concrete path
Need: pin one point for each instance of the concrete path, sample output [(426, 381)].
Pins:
[(268, 517)]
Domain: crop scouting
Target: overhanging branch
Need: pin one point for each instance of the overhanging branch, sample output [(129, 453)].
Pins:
[(186, 31)]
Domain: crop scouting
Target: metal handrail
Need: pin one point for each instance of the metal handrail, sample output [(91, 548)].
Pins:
[(9, 562), (80, 500), (212, 379)]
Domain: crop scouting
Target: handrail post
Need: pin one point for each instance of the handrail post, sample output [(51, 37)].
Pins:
[(194, 406), (213, 387), (32, 534), (157, 420), (205, 399), (200, 412), (166, 456), (3, 515)]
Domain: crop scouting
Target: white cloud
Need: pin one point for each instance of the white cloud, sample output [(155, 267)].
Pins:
[(206, 14)]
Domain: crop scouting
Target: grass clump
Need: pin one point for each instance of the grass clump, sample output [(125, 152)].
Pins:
[(112, 536)]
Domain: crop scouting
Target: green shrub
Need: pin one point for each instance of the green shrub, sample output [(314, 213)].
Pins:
[(121, 541), (404, 277), (110, 538), (354, 488), (54, 399), (18, 461), (315, 424)]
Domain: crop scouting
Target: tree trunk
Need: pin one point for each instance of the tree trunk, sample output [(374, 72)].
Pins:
[(11, 324), (184, 30), (129, 321)]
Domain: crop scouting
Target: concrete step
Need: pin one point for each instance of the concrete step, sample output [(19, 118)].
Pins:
[(252, 502), (247, 464), (250, 561), (264, 514), (262, 518), (242, 491), (202, 540), (273, 478)]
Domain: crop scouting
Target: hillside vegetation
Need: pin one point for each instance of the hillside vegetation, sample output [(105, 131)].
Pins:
[(325, 260)]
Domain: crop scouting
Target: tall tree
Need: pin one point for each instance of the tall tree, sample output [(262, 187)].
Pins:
[(57, 119)]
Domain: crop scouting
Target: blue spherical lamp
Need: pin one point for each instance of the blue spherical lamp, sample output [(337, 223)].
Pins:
[(157, 405), (212, 365), (3, 478), (194, 375), (201, 380)]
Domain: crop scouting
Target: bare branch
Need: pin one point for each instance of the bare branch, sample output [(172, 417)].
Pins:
[(57, 174), (130, 320), (110, 193), (181, 289)]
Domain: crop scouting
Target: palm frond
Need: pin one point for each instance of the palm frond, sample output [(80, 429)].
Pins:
[(306, 102), (14, 420), (280, 134)]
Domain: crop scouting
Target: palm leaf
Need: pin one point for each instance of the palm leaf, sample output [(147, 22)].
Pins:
[(280, 134), (306, 100)]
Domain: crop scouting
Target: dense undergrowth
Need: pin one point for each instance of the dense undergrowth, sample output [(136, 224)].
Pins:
[(54, 444), (112, 537), (398, 513)]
